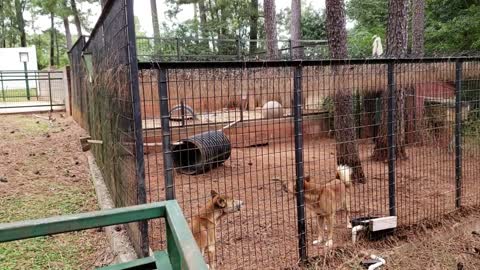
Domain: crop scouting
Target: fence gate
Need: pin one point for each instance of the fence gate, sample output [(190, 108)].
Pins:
[(24, 91)]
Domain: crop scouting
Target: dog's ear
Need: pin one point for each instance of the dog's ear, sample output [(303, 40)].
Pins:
[(337, 176), (220, 202), (213, 193), (306, 178)]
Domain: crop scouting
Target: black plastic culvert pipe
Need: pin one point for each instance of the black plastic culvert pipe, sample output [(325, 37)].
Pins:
[(200, 153)]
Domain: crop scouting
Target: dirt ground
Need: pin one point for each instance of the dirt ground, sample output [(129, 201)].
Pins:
[(44, 173), (263, 235)]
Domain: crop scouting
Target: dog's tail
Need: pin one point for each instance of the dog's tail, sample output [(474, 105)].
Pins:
[(344, 173)]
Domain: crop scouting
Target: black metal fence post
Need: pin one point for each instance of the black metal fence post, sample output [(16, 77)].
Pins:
[(239, 48), (166, 136), (290, 53), (458, 133), (391, 138), (137, 121), (3, 90), (178, 48), (298, 126), (50, 91)]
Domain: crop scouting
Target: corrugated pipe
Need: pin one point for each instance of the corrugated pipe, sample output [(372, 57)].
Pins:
[(201, 153)]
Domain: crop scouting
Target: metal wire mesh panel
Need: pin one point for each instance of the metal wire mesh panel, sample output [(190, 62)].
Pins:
[(79, 91), (22, 90), (106, 94), (407, 128)]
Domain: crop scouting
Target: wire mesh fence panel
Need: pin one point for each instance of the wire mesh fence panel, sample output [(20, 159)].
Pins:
[(32, 89), (222, 141), (106, 97), (244, 129), (199, 49), (79, 92), (470, 133)]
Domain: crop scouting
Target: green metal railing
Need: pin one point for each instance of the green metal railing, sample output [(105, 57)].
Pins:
[(182, 251)]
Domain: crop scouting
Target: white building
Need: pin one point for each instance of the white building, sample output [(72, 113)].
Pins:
[(10, 61)]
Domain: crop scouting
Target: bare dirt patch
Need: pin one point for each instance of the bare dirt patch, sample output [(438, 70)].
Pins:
[(44, 173), (263, 235)]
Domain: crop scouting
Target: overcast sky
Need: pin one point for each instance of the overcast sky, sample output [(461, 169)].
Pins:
[(142, 11)]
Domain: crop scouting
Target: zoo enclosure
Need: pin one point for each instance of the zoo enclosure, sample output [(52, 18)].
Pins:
[(144, 144), (436, 178)]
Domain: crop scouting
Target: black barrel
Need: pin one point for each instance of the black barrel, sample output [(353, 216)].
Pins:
[(202, 152)]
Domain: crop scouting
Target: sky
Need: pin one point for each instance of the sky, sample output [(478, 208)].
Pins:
[(142, 11)]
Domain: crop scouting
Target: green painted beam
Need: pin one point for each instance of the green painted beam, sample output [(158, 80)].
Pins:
[(144, 263), (162, 260), (182, 248), (61, 224)]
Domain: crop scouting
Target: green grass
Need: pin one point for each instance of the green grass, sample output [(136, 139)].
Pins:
[(28, 195), (17, 94)]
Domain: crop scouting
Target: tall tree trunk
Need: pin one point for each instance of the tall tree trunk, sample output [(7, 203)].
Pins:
[(57, 48), (76, 16), (2, 25), (156, 26), (418, 27), (52, 41), (396, 48), (20, 22), (68, 34), (253, 27), (195, 20), (270, 28), (296, 29), (203, 18), (344, 121)]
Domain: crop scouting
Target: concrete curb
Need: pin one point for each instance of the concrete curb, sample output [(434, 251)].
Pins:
[(122, 248)]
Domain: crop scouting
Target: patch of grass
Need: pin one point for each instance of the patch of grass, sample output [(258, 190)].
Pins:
[(52, 252), (25, 126), (17, 94)]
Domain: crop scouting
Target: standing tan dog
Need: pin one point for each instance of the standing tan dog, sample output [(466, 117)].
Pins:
[(203, 225), (325, 200)]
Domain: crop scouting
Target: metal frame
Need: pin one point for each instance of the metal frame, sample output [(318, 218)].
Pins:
[(183, 252)]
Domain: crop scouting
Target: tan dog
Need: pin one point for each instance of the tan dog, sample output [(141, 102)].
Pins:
[(325, 200), (203, 225)]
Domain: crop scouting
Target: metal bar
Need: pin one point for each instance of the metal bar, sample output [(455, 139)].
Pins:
[(239, 44), (3, 90), (26, 80), (137, 121), (187, 254), (290, 53), (143, 263), (293, 63), (182, 108), (391, 139), (166, 136), (300, 196), (458, 133), (50, 92), (178, 49), (62, 224)]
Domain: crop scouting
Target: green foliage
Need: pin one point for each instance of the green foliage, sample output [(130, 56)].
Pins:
[(312, 22), (452, 27)]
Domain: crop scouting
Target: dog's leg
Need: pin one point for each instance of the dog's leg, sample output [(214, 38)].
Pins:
[(347, 211), (331, 225), (321, 229), (211, 257)]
